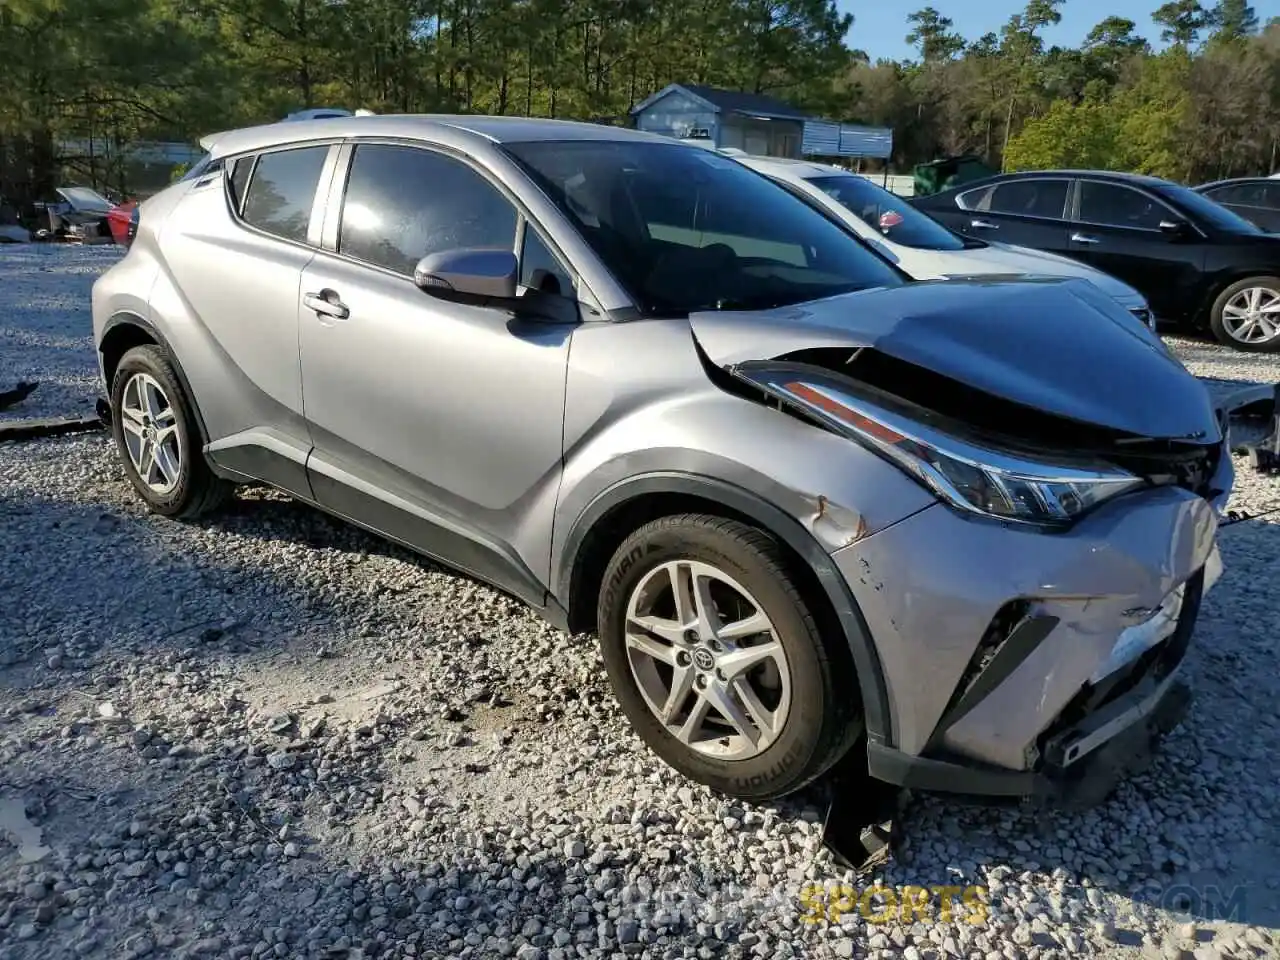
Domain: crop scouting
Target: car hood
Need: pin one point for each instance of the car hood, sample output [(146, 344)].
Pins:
[(1002, 259), (1058, 346)]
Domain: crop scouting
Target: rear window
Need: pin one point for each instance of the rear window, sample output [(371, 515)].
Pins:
[(282, 190), (887, 214), (1207, 210)]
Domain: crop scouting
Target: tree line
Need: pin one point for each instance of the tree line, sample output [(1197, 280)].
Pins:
[(105, 73)]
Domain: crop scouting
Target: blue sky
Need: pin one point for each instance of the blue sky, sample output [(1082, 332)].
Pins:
[(880, 26)]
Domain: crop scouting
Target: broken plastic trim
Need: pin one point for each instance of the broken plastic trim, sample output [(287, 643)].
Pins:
[(999, 484)]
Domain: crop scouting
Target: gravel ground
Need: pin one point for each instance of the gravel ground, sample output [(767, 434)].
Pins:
[(271, 735)]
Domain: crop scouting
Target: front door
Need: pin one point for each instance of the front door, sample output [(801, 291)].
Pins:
[(436, 423), (1117, 229)]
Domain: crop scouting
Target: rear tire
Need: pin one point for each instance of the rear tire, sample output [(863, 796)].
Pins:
[(1246, 315), (757, 651), (157, 438)]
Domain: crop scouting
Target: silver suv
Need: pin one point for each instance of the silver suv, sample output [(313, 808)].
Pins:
[(807, 505)]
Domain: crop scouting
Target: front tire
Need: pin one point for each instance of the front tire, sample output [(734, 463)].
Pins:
[(1246, 315), (157, 439), (719, 663)]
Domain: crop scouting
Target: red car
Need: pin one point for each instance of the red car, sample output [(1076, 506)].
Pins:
[(123, 221)]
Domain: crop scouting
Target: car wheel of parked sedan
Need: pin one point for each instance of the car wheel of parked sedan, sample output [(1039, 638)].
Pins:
[(718, 662), (157, 438), (1246, 315)]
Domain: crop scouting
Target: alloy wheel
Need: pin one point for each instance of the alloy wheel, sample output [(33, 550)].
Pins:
[(707, 660), (149, 424), (1253, 315)]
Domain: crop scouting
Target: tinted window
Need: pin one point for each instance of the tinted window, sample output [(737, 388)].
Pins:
[(1246, 194), (403, 203), (240, 180), (1114, 205), (282, 190), (978, 199), (1028, 198), (535, 257), (1205, 210), (887, 214), (686, 229)]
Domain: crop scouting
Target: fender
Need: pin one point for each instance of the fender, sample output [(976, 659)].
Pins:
[(866, 661), (133, 320)]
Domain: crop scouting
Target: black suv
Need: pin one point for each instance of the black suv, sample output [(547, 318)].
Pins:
[(1198, 263)]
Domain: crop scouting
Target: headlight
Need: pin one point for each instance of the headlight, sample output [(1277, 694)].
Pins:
[(998, 484)]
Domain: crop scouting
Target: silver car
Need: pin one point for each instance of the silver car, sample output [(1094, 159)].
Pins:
[(808, 505)]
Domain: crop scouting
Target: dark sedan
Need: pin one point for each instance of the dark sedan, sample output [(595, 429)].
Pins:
[(1257, 199), (1198, 263)]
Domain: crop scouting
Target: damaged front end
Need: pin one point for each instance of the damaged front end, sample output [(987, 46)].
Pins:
[(1031, 625)]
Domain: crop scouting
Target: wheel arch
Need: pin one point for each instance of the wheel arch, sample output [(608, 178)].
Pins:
[(622, 508), (124, 331)]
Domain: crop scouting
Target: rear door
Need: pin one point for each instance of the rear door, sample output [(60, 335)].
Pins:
[(1028, 211), (436, 423), (1116, 228), (236, 255)]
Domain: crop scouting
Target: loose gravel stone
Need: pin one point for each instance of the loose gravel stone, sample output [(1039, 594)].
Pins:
[(269, 734)]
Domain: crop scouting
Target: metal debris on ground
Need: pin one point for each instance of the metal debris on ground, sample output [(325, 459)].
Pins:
[(862, 828), (37, 428), (1253, 415), (19, 393)]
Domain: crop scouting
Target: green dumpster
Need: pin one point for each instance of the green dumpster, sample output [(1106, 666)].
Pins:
[(938, 175)]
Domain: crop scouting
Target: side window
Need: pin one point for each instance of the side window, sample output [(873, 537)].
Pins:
[(1030, 198), (403, 203), (240, 180), (282, 190), (979, 199), (1228, 194), (539, 269), (1115, 205)]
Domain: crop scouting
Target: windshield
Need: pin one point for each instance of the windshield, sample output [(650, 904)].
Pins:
[(1208, 210), (686, 229), (85, 199), (886, 213)]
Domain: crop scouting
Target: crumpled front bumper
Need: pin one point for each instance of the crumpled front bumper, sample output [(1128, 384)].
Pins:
[(1023, 663)]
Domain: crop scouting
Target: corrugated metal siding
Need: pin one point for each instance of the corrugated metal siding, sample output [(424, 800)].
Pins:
[(865, 141), (821, 139)]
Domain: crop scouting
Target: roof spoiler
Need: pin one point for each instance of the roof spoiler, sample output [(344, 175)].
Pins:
[(210, 140)]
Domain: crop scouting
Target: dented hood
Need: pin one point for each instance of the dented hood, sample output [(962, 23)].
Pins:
[(1060, 346)]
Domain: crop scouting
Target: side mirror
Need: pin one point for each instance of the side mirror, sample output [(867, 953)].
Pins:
[(477, 273), (1175, 229)]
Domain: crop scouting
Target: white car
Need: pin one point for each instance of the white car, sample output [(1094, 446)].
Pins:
[(918, 244)]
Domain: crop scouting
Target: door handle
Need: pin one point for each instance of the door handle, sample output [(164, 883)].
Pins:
[(983, 225), (326, 303), (1084, 238)]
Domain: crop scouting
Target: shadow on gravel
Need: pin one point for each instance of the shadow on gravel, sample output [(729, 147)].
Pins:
[(266, 515), (107, 581), (98, 578)]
